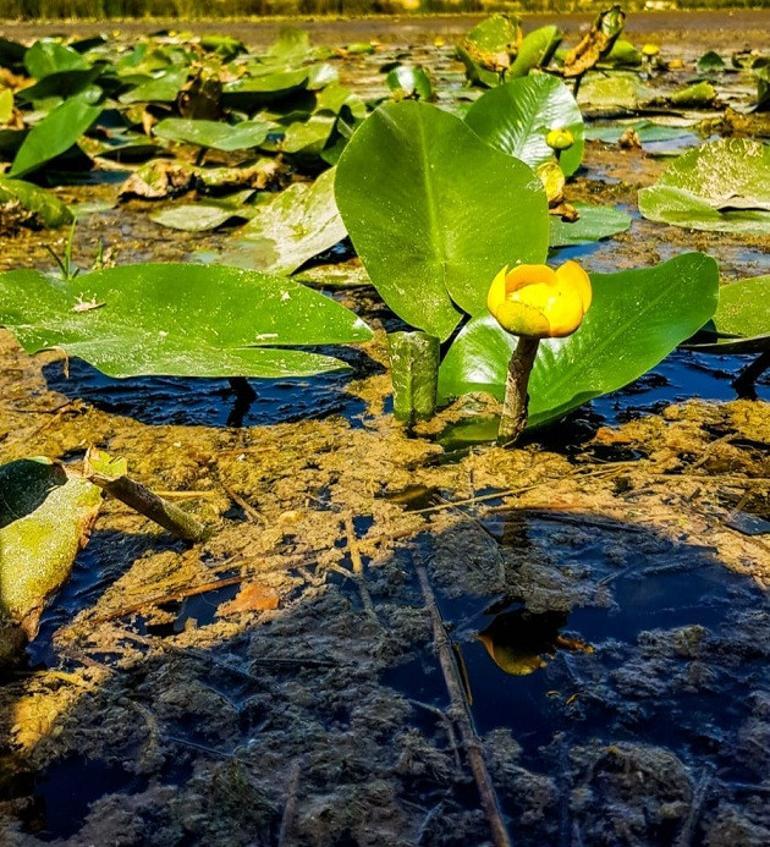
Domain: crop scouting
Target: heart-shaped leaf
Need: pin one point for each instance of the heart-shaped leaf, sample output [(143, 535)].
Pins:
[(517, 116), (434, 212), (723, 185), (178, 320), (636, 319)]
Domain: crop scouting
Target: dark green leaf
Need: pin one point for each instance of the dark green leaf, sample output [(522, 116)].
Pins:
[(55, 134)]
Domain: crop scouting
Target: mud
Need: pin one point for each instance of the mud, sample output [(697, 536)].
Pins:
[(279, 684)]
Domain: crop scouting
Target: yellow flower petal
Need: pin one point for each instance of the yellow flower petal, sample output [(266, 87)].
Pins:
[(573, 275), (496, 295), (566, 313), (527, 275)]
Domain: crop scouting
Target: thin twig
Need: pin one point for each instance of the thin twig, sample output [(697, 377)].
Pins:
[(290, 808), (170, 597), (461, 714), (685, 837)]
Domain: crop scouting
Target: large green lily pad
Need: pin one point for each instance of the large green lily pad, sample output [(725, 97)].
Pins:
[(517, 116), (723, 185), (434, 212), (178, 319), (636, 319), (45, 518)]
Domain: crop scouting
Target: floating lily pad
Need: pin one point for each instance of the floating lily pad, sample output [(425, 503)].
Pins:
[(594, 223), (647, 131), (179, 320), (421, 196), (517, 116), (162, 89), (45, 518), (723, 185), (214, 134), (636, 319), (741, 323)]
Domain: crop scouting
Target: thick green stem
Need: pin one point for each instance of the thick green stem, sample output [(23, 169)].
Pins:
[(514, 418)]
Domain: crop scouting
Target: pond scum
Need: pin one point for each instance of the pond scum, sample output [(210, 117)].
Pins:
[(384, 438)]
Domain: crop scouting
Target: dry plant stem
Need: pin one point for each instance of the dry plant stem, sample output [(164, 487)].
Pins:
[(286, 834), (459, 711), (514, 417), (149, 504)]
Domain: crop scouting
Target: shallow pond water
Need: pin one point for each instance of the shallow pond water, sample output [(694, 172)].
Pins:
[(607, 614)]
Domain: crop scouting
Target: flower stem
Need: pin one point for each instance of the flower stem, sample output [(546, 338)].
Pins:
[(514, 417)]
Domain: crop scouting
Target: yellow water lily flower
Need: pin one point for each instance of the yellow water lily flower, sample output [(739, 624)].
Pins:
[(559, 139), (535, 301)]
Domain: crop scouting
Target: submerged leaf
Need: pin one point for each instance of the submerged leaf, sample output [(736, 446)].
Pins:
[(180, 320)]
